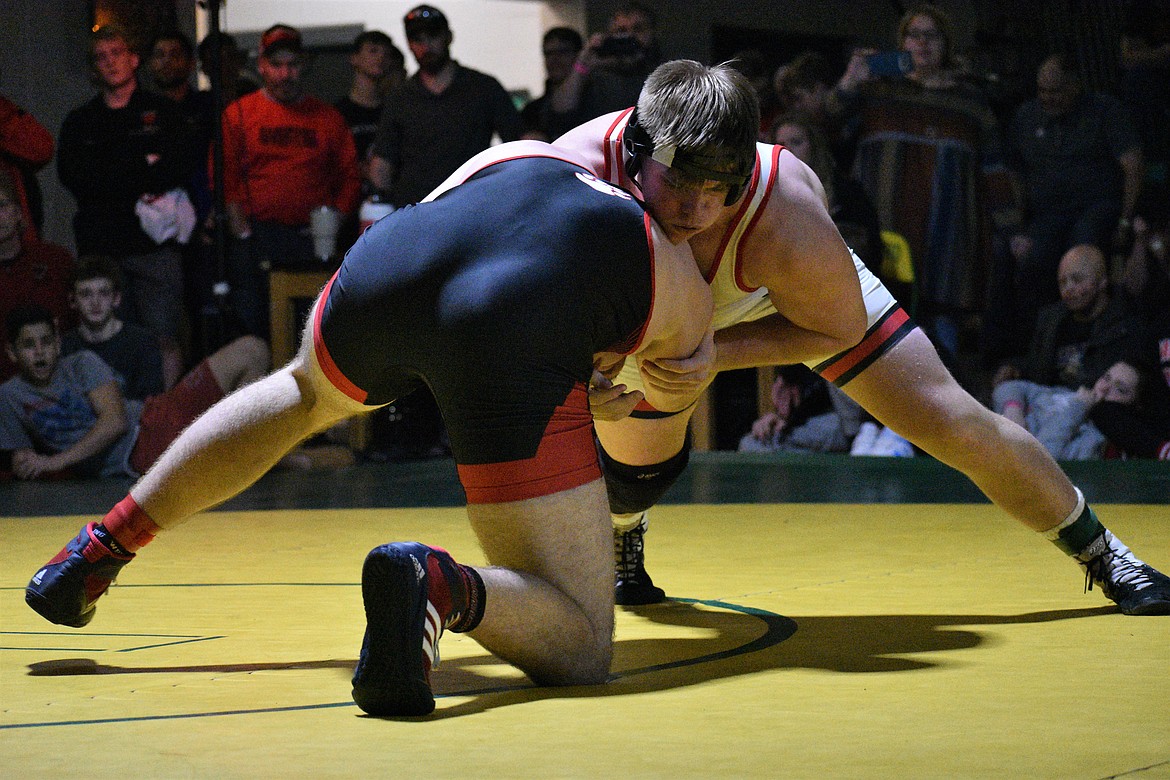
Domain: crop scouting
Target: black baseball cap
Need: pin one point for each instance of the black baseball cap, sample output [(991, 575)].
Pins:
[(425, 20)]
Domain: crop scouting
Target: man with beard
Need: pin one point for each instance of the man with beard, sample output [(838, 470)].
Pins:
[(285, 153), (441, 116), (432, 123)]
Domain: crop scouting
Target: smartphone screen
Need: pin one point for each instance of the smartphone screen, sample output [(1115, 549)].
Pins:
[(890, 63)]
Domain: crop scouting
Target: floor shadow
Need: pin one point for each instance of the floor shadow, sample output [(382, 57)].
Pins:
[(748, 641), (738, 641)]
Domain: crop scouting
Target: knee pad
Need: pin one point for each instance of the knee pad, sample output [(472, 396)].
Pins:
[(637, 488)]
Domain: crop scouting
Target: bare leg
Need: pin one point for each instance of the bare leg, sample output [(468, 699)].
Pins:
[(240, 438), (550, 584), (911, 391)]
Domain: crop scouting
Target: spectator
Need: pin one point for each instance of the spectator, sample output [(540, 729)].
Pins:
[(126, 348), (1077, 339), (805, 86), (119, 153), (285, 153), (559, 47), (67, 415), (25, 147), (929, 155), (235, 78), (31, 271), (378, 68), (171, 65), (1145, 79), (1143, 431), (609, 71), (1059, 417), (809, 415), (849, 205), (1081, 164), (441, 116), (1145, 277)]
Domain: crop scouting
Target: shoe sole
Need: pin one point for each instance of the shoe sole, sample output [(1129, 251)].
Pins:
[(1153, 608), (46, 609), (390, 678), (638, 597)]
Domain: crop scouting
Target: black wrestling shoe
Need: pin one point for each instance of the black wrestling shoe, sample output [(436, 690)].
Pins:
[(408, 597), (632, 585), (1137, 587), (65, 589)]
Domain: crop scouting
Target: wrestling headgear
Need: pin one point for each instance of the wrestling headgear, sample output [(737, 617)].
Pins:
[(706, 167)]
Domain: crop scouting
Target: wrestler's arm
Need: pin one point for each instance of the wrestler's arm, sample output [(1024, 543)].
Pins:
[(677, 352), (797, 253)]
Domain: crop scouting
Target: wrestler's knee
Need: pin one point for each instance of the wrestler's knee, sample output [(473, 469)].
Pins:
[(589, 666), (634, 489)]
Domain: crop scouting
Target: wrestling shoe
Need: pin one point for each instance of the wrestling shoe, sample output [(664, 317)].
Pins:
[(1137, 587), (408, 595), (65, 588), (632, 585)]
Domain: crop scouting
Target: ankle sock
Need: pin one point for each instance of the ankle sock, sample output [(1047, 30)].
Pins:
[(469, 618), (128, 526), (628, 523), (103, 535), (1081, 535)]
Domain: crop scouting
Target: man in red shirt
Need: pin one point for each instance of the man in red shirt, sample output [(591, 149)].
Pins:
[(285, 153)]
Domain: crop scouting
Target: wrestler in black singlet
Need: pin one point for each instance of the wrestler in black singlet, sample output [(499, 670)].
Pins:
[(532, 263)]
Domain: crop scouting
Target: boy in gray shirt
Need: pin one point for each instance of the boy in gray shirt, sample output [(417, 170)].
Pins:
[(67, 415)]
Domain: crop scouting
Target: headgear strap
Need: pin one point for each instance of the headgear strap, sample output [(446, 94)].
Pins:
[(706, 167)]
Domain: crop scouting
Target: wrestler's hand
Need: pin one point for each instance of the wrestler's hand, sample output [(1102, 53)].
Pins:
[(608, 364), (682, 376), (610, 402)]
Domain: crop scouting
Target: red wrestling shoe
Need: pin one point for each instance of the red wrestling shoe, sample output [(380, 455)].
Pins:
[(65, 589), (411, 593)]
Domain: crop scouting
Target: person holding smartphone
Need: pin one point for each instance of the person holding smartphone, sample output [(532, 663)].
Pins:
[(608, 72), (928, 153)]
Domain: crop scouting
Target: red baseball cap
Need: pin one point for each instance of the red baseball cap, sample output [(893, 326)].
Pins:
[(280, 37)]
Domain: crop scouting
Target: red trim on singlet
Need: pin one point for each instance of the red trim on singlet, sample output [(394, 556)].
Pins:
[(768, 187), (613, 154), (328, 367), (745, 202), (873, 341), (566, 458)]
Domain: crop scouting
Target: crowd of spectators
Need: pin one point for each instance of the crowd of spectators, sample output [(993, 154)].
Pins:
[(1042, 229)]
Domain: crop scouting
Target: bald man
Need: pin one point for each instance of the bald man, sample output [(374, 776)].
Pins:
[(1080, 160), (1076, 340)]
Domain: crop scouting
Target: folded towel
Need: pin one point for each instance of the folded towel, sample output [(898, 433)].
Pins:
[(166, 216)]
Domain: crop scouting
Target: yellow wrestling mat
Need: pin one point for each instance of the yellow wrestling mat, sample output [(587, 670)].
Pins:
[(807, 640)]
